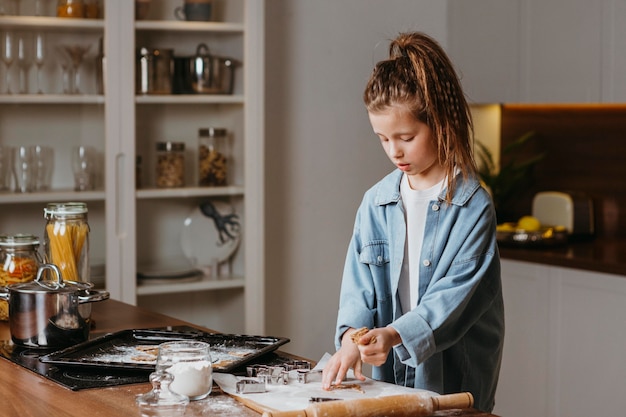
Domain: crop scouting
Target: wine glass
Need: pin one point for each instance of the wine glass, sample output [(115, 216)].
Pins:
[(24, 60), (40, 55), (7, 57), (76, 53)]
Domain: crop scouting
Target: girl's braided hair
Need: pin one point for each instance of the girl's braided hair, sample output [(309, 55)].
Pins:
[(418, 74)]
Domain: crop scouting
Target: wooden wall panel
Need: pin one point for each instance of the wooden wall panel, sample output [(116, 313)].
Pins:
[(586, 152)]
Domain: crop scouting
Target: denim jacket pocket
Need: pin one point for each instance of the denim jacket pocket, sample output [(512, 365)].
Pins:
[(375, 253)]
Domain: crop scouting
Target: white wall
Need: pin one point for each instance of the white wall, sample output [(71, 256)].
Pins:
[(321, 154)]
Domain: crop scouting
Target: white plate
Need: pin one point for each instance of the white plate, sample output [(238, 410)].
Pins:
[(171, 269), (211, 234)]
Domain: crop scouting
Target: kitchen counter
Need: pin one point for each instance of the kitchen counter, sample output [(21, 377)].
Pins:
[(606, 255), (24, 393)]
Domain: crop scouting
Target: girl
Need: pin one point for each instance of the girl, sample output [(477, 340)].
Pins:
[(423, 269)]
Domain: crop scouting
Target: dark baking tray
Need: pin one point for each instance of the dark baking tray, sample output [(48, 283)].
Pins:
[(134, 349)]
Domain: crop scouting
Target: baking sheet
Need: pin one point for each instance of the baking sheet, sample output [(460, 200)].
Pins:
[(296, 395), (136, 349)]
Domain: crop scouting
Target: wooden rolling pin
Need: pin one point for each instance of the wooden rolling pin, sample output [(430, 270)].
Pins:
[(401, 405)]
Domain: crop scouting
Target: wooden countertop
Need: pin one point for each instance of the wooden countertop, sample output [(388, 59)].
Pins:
[(26, 394), (606, 255)]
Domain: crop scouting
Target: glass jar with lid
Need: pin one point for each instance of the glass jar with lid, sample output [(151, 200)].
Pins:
[(71, 8), (66, 239), (212, 157), (19, 261), (170, 164)]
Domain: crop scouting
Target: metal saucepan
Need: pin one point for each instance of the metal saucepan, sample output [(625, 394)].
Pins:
[(47, 313), (204, 73)]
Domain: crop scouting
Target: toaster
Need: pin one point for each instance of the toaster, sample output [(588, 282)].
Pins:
[(572, 210)]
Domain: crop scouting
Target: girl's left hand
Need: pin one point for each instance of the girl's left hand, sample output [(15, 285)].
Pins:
[(376, 344)]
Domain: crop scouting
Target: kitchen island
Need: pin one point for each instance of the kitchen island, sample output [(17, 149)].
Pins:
[(26, 394)]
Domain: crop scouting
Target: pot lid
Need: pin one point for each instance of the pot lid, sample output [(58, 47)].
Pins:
[(39, 285)]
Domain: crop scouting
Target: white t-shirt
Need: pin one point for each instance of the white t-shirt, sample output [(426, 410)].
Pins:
[(415, 203)]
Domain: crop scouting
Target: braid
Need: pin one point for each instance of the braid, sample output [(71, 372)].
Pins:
[(419, 74)]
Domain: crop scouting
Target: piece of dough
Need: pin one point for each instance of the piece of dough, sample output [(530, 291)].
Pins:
[(356, 336)]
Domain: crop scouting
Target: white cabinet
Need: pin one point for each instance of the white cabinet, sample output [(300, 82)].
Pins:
[(483, 43), (564, 342), (532, 51), (132, 227)]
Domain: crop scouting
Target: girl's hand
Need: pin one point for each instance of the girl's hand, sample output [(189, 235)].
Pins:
[(375, 345), (344, 359)]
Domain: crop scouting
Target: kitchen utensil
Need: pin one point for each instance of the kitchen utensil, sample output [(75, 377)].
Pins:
[(6, 168), (203, 73), (194, 11), (45, 313), (44, 164), (154, 71), (133, 350), (83, 167), (24, 169), (40, 56), (8, 55), (24, 60), (574, 210), (543, 238), (189, 362), (403, 405)]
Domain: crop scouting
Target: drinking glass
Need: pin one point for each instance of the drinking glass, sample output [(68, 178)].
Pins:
[(40, 56), (23, 169), (7, 57), (43, 157), (6, 168), (83, 161), (9, 7), (74, 55), (24, 60), (188, 363)]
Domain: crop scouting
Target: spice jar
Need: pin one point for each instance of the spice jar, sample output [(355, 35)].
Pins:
[(19, 261), (170, 166), (71, 8), (213, 157), (66, 239)]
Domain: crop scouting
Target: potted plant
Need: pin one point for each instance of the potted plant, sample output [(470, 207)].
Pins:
[(512, 177)]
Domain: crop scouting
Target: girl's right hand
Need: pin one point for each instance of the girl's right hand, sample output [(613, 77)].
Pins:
[(346, 358)]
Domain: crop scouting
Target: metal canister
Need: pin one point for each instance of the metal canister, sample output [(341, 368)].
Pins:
[(66, 239), (19, 261), (154, 71)]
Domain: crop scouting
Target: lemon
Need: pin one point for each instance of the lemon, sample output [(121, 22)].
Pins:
[(529, 223), (506, 227)]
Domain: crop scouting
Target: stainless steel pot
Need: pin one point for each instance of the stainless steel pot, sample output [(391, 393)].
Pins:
[(47, 313), (204, 73)]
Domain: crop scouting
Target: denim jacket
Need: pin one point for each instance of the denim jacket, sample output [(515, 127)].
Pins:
[(452, 341)]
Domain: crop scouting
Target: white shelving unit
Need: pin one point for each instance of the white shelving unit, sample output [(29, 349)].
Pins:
[(132, 226)]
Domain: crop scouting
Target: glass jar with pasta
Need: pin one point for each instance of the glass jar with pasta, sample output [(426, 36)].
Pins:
[(19, 261), (66, 239)]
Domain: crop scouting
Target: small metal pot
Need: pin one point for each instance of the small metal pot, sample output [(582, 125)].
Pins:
[(203, 73), (48, 313)]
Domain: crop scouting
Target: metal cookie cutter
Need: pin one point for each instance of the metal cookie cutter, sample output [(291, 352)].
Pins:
[(306, 375), (250, 386)]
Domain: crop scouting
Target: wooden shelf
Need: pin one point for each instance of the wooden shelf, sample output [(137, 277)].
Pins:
[(204, 284), (188, 192), (48, 196)]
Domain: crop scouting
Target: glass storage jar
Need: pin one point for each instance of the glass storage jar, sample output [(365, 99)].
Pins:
[(170, 164), (212, 157), (71, 8), (66, 239), (19, 261)]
